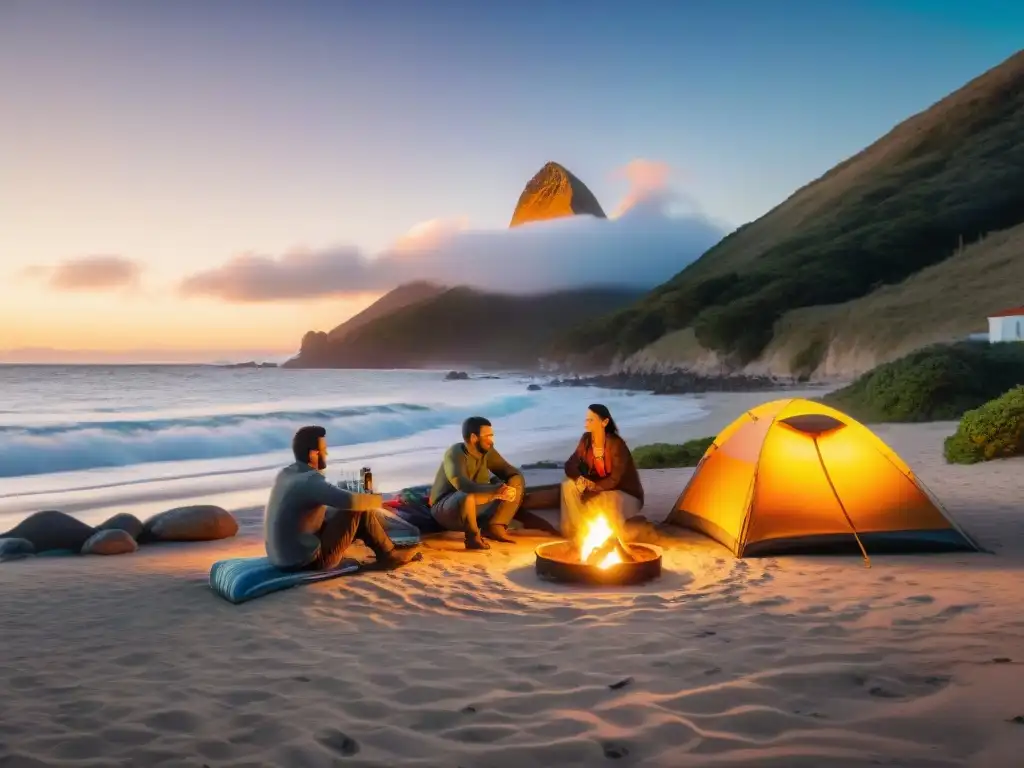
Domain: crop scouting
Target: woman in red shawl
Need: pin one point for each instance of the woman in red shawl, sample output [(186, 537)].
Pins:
[(600, 476)]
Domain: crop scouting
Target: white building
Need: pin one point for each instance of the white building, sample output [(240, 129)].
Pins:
[(1007, 325)]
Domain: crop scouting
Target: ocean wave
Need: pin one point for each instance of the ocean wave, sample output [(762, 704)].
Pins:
[(131, 426), (33, 450)]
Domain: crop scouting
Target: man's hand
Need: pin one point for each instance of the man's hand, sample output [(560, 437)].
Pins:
[(375, 499), (506, 493), (581, 483)]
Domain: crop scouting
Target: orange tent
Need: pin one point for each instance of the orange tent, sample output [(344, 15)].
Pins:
[(795, 476)]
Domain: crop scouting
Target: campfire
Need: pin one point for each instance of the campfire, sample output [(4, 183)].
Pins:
[(598, 556), (601, 546)]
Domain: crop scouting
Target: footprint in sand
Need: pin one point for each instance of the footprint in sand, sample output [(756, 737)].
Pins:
[(883, 693), (541, 668), (174, 720), (770, 602), (614, 751), (956, 610), (815, 715), (817, 608), (338, 742)]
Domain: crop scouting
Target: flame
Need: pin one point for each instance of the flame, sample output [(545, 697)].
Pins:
[(609, 560), (599, 530)]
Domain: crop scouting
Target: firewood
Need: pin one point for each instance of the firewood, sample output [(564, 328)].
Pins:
[(612, 544), (599, 554), (624, 551)]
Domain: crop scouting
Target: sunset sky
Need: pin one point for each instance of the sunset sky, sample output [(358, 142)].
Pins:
[(193, 180)]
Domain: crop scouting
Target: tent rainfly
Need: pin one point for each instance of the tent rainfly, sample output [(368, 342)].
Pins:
[(795, 476)]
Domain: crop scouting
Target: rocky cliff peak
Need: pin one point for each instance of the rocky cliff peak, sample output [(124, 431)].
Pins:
[(552, 193)]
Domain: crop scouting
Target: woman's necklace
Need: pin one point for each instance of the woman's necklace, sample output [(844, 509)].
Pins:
[(599, 450)]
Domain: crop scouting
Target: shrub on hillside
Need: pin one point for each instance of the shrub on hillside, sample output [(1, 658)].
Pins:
[(933, 384), (668, 455), (958, 449), (993, 431)]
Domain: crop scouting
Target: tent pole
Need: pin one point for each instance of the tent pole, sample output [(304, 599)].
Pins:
[(945, 513), (867, 560)]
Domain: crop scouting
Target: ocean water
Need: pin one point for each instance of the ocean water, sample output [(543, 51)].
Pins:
[(94, 440)]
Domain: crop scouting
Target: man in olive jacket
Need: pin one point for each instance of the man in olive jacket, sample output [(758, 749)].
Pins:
[(310, 522), (464, 497)]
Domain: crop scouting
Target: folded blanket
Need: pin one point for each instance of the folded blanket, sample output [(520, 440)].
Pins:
[(402, 532), (246, 578), (412, 505)]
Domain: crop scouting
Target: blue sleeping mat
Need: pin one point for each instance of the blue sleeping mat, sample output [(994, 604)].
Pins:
[(246, 578)]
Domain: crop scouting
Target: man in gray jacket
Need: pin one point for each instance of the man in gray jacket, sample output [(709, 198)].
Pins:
[(310, 522)]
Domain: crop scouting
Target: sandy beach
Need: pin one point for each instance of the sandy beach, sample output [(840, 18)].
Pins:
[(467, 660)]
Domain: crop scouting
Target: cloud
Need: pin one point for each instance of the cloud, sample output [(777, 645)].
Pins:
[(430, 235), (649, 185), (89, 273), (656, 233)]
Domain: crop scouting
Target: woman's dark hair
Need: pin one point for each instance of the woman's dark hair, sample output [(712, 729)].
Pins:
[(307, 439), (603, 413)]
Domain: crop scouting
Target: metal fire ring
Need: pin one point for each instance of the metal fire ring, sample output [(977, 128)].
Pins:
[(555, 562)]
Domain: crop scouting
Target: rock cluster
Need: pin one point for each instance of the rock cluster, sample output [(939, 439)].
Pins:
[(679, 382), (54, 532)]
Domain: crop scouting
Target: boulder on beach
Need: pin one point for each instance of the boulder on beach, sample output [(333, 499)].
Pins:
[(200, 522), (533, 388), (122, 521), (15, 549), (110, 542), (51, 529)]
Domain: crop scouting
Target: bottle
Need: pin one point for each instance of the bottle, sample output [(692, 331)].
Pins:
[(366, 475)]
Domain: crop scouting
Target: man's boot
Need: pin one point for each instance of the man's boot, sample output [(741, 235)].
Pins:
[(499, 533), (396, 558)]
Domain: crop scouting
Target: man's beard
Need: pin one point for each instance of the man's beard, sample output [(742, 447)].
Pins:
[(321, 463)]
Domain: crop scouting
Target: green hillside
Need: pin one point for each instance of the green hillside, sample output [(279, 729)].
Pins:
[(949, 175), (461, 326), (944, 302), (403, 296)]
